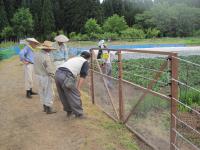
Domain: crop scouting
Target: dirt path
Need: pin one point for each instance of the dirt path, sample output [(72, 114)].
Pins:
[(23, 125)]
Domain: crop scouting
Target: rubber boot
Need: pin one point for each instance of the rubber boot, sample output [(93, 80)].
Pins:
[(49, 110), (33, 93), (28, 94), (44, 108)]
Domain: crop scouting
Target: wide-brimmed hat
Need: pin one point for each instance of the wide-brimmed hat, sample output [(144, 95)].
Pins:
[(47, 45), (61, 38), (32, 40)]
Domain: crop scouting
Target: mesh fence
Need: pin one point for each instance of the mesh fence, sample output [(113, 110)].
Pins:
[(151, 119), (148, 111)]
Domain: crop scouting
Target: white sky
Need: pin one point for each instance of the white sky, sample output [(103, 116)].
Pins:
[(101, 1)]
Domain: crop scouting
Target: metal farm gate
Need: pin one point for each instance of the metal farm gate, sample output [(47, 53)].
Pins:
[(143, 93)]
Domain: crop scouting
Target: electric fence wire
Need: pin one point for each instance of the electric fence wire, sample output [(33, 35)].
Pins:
[(195, 64), (185, 85), (175, 146), (163, 83), (186, 124), (193, 110), (180, 135)]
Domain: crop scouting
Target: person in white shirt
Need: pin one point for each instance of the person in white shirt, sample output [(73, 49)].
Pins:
[(67, 85)]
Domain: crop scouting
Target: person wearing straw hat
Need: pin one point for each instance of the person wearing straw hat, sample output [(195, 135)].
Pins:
[(44, 70), (67, 85), (60, 55), (27, 57)]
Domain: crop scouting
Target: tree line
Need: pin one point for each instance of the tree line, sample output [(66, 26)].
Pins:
[(90, 19)]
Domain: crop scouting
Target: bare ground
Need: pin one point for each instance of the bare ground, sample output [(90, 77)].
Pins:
[(23, 125)]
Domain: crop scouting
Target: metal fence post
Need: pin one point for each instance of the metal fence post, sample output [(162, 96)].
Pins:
[(120, 76), (92, 76), (174, 95)]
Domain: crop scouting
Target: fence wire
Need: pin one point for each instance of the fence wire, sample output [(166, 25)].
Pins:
[(151, 118)]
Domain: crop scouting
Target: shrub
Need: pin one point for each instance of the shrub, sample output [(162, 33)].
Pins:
[(110, 36), (196, 33), (78, 36), (7, 32), (152, 33), (115, 24), (133, 33), (92, 27)]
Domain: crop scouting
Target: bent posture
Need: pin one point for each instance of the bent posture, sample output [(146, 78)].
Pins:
[(67, 85)]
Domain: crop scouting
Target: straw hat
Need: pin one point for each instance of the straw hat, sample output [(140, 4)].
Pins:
[(47, 45), (61, 38), (32, 40)]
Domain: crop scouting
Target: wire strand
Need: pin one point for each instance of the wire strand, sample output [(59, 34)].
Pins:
[(185, 84), (187, 106), (186, 139), (185, 123), (146, 78), (195, 64)]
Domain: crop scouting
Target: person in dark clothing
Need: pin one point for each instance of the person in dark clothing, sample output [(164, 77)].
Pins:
[(67, 85)]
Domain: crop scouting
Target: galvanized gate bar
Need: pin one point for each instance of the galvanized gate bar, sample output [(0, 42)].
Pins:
[(157, 76)]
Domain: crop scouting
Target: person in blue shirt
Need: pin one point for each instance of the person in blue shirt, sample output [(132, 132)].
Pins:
[(27, 57), (60, 55)]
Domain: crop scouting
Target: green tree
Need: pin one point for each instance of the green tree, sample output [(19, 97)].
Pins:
[(3, 16), (47, 20), (91, 26), (7, 32), (36, 9), (77, 12), (22, 22), (115, 24)]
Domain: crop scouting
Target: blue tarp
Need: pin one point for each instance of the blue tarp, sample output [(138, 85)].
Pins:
[(74, 51)]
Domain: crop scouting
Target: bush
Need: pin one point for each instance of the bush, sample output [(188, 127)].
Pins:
[(152, 33), (196, 33), (133, 33), (110, 36), (115, 24), (92, 27), (7, 32), (78, 36), (53, 35)]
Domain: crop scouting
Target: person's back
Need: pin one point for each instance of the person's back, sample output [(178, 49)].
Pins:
[(43, 65), (74, 64)]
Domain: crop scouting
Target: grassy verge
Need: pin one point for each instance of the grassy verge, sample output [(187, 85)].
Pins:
[(109, 135)]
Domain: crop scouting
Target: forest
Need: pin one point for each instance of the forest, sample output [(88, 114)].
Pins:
[(92, 19)]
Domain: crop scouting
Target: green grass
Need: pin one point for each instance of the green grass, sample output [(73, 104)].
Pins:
[(7, 44), (124, 137)]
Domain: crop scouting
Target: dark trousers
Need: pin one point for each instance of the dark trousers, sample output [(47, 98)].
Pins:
[(70, 98)]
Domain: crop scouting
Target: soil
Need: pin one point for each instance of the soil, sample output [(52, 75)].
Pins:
[(24, 126)]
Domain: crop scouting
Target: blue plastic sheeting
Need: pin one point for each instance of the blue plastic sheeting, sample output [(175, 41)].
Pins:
[(145, 46), (9, 52), (76, 51)]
